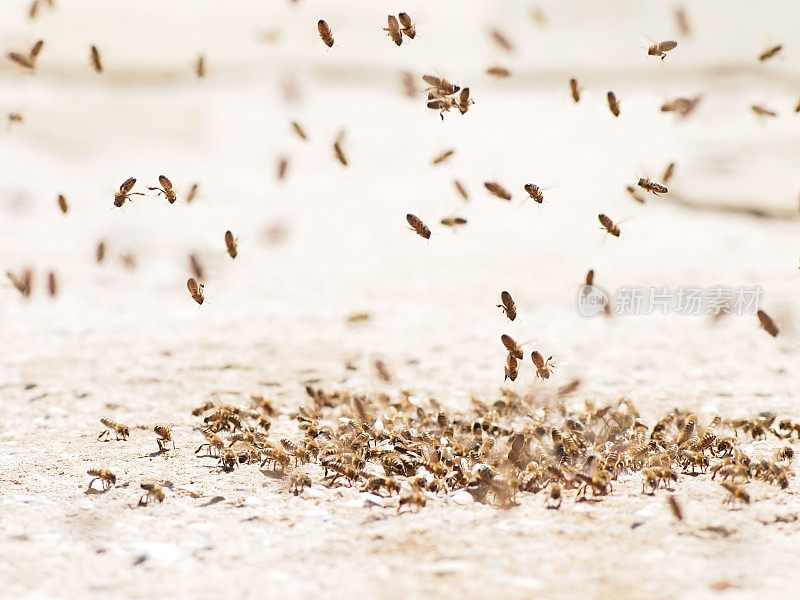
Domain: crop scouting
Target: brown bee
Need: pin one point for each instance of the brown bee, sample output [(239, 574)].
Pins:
[(543, 367), (440, 86), (29, 61), (589, 278), (661, 49), (325, 33), (197, 268), (166, 189), (651, 186), (120, 431), (554, 496), (196, 290), (230, 244), (394, 30), (453, 221), (62, 204), (200, 67), (283, 166), (414, 498), (511, 368), (683, 22), (767, 324), (298, 482), (339, 153), (95, 57), (441, 104), (100, 252), (443, 156), (668, 172), (33, 10), (508, 305), (164, 433), (407, 26), (104, 475), (737, 493), (512, 347), (464, 101), (499, 72), (409, 89), (190, 195), (575, 90), (154, 492), (763, 112), (360, 317), (213, 442), (22, 284), (682, 106), (635, 195), (608, 224), (498, 190), (462, 191), (52, 284), (298, 129), (14, 117), (770, 52), (383, 371), (418, 226), (501, 40), (535, 192), (125, 193), (568, 388), (613, 103)]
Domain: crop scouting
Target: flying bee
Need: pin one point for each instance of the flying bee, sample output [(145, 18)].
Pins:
[(200, 67), (196, 290), (394, 30), (100, 252), (575, 90), (23, 284), (339, 153), (62, 204), (668, 172), (770, 52), (661, 49), (154, 492), (383, 372), (453, 221), (511, 368), (683, 22), (495, 189), (464, 101), (737, 493), (508, 305), (512, 347), (535, 192), (29, 61), (554, 496), (325, 33), (613, 103), (230, 244), (543, 367), (440, 86), (418, 226), (501, 40), (682, 106), (407, 26), (104, 475), (443, 156), (298, 129), (97, 65), (635, 195), (499, 72), (443, 105), (52, 284), (190, 195), (767, 324), (15, 117), (120, 431), (608, 224), (283, 166), (462, 191), (33, 10), (651, 186), (763, 112), (125, 193), (409, 89), (196, 266), (164, 433), (166, 189)]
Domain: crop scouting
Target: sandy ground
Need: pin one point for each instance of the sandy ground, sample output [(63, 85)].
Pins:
[(131, 345)]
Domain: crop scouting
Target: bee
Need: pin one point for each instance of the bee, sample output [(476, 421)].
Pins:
[(228, 460), (675, 507), (298, 129), (786, 453), (339, 153), (298, 482), (512, 347), (651, 479), (763, 112), (383, 371), (230, 244), (24, 283), (464, 101), (687, 431), (393, 30), (409, 89), (770, 52), (462, 191), (668, 172), (414, 498), (100, 252), (511, 369), (196, 290), (608, 224), (797, 108), (200, 67), (508, 305), (407, 26), (498, 72), (154, 492), (125, 193), (325, 33), (62, 204), (651, 186), (128, 260), (120, 431), (737, 493), (495, 189), (443, 156), (164, 433), (575, 90), (283, 166), (166, 189), (418, 226), (554, 496), (613, 103), (599, 482), (213, 442), (568, 388), (453, 221), (97, 65), (543, 367), (501, 40), (197, 268), (683, 22), (191, 193), (661, 49), (106, 477), (635, 195), (33, 10), (14, 117), (767, 324), (29, 61), (535, 192), (443, 105), (440, 87)]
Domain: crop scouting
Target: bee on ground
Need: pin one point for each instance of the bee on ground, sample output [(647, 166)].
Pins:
[(407, 25), (200, 67), (554, 497), (462, 191), (120, 431), (651, 186), (418, 226), (543, 367), (166, 189), (575, 90), (106, 477), (97, 64), (393, 30), (298, 482), (661, 49), (230, 244), (164, 433), (767, 324), (512, 347), (508, 305), (770, 52), (62, 204), (125, 192), (613, 103), (443, 156), (736, 493), (608, 224), (298, 129), (196, 290), (325, 33), (495, 189), (762, 111), (154, 492), (453, 221)]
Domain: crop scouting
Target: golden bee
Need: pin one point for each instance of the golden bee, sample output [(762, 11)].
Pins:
[(651, 186), (575, 90), (661, 48), (508, 305), (166, 189), (501, 40), (120, 431), (200, 67), (767, 324), (62, 204), (512, 347), (736, 493), (462, 191), (543, 367), (418, 226), (393, 30), (763, 112), (608, 224), (298, 482), (535, 192), (298, 129), (770, 52), (325, 33), (94, 55), (125, 192), (154, 492), (613, 103), (453, 221), (230, 244), (511, 368), (495, 189), (407, 26), (195, 290), (443, 156), (164, 433), (106, 477), (414, 498)]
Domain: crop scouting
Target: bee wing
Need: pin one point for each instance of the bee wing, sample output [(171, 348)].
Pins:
[(667, 46), (432, 80)]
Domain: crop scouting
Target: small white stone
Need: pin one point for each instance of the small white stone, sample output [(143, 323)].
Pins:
[(462, 497)]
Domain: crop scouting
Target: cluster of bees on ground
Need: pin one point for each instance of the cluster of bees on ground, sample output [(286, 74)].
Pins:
[(411, 451)]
